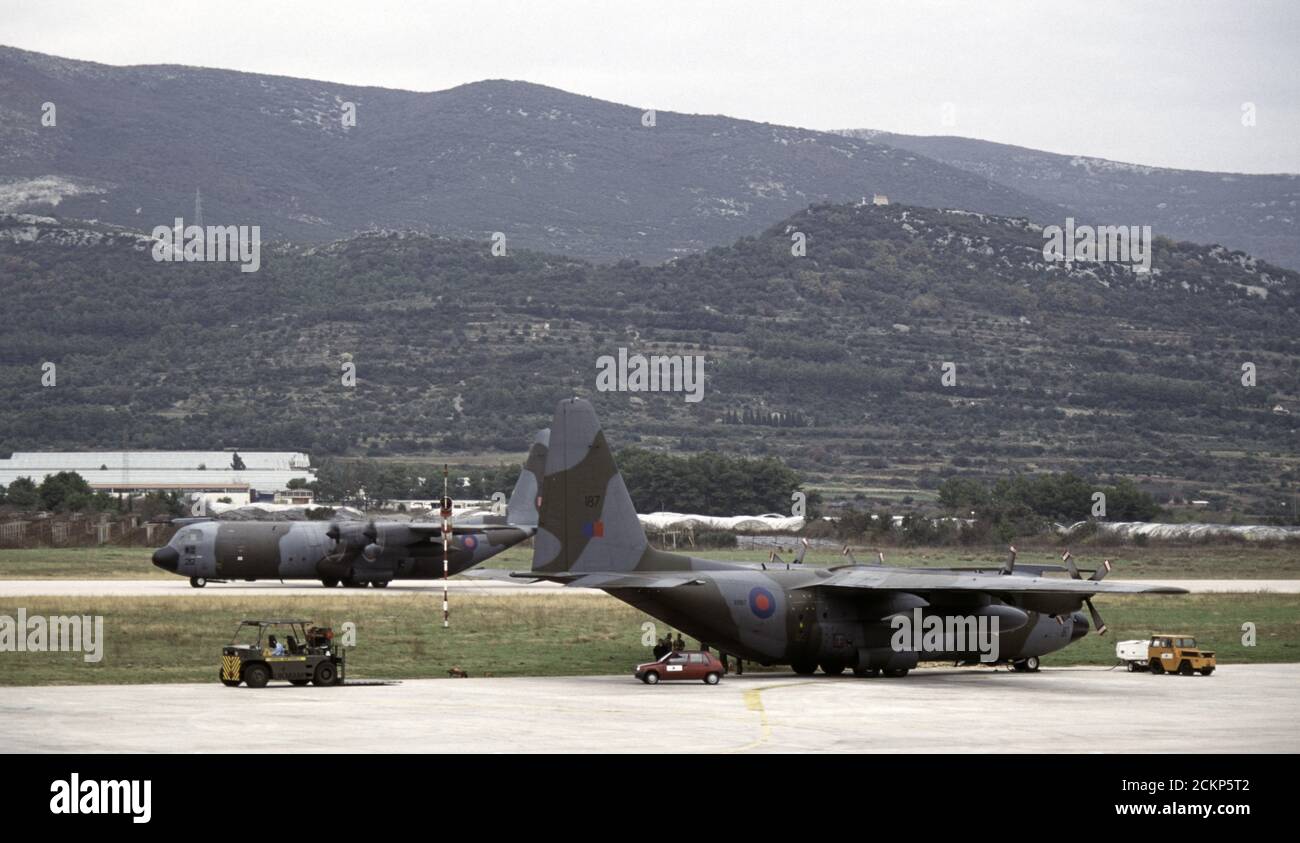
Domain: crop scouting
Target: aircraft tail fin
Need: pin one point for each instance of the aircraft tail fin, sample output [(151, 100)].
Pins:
[(587, 520), (521, 509)]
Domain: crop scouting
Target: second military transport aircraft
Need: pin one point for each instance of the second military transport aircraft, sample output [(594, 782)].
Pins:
[(837, 618), (354, 553)]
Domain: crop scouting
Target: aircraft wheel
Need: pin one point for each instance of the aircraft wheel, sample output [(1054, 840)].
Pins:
[(897, 673), (1185, 668), (198, 582), (651, 678), (1031, 664), (1156, 667), (711, 679), (329, 582), (378, 584), (804, 668), (325, 674), (256, 675), (832, 668), (866, 671)]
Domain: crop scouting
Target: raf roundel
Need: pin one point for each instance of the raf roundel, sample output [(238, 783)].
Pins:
[(761, 602), (470, 542)]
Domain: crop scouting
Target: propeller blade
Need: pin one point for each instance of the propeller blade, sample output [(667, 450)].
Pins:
[(849, 554), (1097, 622), (1069, 563), (1101, 572), (798, 560), (1009, 566), (880, 556)]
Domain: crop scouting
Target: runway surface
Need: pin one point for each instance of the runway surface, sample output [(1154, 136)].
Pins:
[(1241, 708), (268, 588), (178, 586)]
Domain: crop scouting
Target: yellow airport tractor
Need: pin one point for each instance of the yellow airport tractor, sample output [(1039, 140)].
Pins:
[(1166, 653), (292, 650)]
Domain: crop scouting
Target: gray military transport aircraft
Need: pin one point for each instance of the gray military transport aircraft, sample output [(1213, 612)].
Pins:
[(837, 618), (354, 553)]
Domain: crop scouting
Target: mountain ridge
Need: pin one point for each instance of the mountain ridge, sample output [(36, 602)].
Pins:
[(1093, 368), (1254, 212)]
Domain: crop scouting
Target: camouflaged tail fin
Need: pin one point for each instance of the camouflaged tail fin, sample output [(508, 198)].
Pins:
[(521, 510), (587, 521)]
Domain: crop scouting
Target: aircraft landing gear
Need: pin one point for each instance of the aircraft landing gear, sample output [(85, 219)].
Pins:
[(198, 582), (329, 582), (866, 671), (804, 668), (1029, 665), (832, 668)]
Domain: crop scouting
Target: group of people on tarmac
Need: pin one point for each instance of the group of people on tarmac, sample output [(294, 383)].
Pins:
[(667, 644)]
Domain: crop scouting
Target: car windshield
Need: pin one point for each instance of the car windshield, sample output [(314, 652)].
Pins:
[(1186, 642)]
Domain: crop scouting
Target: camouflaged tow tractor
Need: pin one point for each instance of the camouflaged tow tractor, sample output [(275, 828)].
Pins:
[(836, 618), (306, 653)]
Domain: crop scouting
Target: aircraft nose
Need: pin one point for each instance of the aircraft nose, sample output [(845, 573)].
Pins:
[(166, 558)]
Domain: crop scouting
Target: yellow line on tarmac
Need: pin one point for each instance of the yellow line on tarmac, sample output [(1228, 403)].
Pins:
[(754, 702)]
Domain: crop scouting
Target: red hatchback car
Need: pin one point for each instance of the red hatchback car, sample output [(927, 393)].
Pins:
[(685, 664)]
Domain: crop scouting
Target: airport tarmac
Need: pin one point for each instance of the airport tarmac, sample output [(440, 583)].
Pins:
[(172, 587), (1241, 708)]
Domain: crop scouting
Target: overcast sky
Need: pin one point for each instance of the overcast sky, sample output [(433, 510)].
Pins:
[(1159, 83)]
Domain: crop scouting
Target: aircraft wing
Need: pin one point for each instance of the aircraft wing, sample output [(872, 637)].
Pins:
[(922, 581), (596, 579), (424, 531)]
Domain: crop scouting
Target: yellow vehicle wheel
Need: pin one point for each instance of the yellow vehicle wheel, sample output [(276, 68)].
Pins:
[(1185, 668), (1156, 667)]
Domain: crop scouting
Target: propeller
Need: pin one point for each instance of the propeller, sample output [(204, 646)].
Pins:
[(798, 560), (774, 558), (849, 554), (1097, 622)]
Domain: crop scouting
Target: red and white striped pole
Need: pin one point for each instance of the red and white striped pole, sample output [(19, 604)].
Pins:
[(446, 553)]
